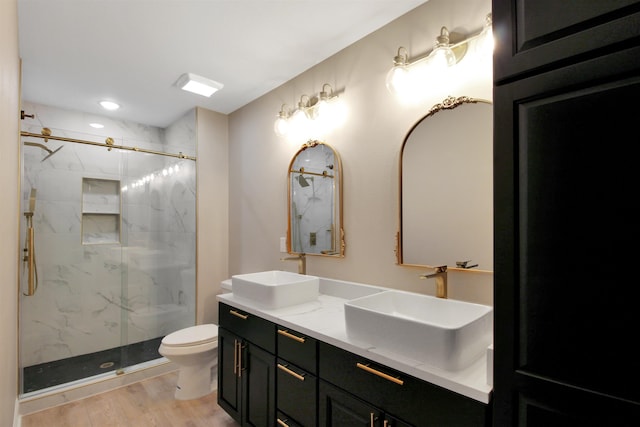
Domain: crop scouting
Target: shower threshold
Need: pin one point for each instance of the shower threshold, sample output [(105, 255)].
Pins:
[(57, 372)]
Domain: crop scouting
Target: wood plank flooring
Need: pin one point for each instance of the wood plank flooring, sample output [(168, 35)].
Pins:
[(149, 403)]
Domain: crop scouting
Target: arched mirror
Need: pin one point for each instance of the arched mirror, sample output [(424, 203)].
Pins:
[(446, 187), (315, 201)]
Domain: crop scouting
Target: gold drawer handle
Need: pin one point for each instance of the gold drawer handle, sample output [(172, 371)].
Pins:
[(380, 374), (290, 372), (290, 335), (282, 423), (242, 316)]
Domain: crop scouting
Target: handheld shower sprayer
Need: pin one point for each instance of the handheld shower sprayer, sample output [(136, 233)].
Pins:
[(29, 251)]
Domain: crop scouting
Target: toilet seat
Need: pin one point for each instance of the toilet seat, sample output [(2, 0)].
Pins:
[(194, 335)]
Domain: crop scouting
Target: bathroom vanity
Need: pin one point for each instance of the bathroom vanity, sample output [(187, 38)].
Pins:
[(297, 366)]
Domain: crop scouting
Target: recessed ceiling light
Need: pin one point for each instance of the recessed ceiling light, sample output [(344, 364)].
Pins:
[(96, 125), (109, 105), (199, 85)]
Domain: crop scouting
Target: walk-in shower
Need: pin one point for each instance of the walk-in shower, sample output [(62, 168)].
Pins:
[(108, 228)]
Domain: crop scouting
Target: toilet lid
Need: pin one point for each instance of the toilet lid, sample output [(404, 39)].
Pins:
[(193, 335)]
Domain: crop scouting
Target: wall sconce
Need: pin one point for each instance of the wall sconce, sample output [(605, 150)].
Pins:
[(314, 114), (435, 65)]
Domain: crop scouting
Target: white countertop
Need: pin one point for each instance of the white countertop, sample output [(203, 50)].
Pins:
[(324, 320)]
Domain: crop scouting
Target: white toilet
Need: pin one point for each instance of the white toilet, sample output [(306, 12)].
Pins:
[(195, 351)]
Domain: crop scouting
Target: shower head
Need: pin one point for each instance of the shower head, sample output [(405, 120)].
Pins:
[(51, 153), (45, 148), (302, 181)]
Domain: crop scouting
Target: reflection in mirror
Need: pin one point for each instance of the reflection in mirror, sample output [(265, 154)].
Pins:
[(446, 187), (315, 201)]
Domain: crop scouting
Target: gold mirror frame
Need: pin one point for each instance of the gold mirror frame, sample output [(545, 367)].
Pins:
[(449, 103), (335, 230)]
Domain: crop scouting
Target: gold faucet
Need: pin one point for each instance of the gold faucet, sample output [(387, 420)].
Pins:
[(302, 262), (440, 275)]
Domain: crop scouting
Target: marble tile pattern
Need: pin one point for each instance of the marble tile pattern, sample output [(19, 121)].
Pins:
[(324, 320), (102, 293)]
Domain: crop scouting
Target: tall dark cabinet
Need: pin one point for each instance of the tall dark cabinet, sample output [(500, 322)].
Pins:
[(567, 222)]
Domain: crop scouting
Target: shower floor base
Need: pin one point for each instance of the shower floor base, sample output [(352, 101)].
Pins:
[(49, 374)]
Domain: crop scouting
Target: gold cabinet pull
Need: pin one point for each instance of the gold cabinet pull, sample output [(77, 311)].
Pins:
[(242, 316), (380, 374), (282, 423), (235, 357), (240, 359), (290, 335), (372, 419), (386, 423), (290, 372)]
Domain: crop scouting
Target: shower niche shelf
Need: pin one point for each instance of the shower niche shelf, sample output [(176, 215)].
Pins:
[(101, 204)]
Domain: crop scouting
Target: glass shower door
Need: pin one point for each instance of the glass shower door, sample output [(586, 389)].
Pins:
[(112, 254)]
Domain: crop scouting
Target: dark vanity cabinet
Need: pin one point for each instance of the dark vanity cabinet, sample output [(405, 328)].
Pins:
[(246, 367), (566, 80), (297, 381), (270, 375), (355, 391)]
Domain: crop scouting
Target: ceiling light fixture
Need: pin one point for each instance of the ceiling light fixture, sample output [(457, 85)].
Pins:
[(403, 78), (96, 125), (198, 84), (109, 105)]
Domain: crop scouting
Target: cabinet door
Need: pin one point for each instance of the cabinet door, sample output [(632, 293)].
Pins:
[(564, 226), (539, 35), (228, 380), (340, 409), (258, 379)]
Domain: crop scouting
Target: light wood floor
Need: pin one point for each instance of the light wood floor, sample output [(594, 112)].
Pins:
[(143, 404)]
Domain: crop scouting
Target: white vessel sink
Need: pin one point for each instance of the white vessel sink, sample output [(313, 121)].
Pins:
[(447, 334), (275, 289)]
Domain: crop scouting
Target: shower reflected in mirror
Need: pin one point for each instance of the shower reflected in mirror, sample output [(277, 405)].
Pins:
[(315, 201)]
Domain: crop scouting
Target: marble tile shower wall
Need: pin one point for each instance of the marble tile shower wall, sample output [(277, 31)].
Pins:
[(140, 285)]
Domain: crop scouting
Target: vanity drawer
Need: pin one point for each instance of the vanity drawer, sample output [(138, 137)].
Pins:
[(298, 349), (296, 393), (283, 420), (255, 329), (414, 400)]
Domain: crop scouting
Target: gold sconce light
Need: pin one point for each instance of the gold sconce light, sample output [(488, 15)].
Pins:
[(313, 116), (435, 66)]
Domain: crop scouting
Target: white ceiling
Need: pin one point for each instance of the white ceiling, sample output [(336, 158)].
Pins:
[(78, 52)]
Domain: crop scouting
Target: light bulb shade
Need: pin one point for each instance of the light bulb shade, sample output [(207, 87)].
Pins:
[(281, 126), (298, 123), (331, 114), (485, 43), (397, 79), (442, 58)]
